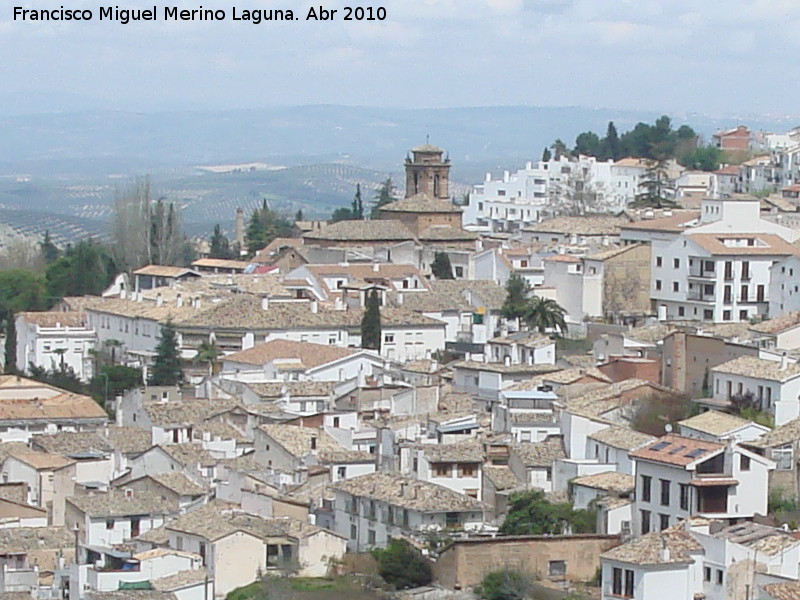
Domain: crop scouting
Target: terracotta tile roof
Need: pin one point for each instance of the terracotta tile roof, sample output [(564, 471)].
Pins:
[(677, 222), (759, 538), (611, 253), (165, 271), (180, 484), (220, 263), (468, 451), (594, 401), (296, 440), (789, 590), (179, 580), (478, 292), (295, 389), (141, 310), (376, 230), (780, 436), (189, 454), (589, 225), (676, 450), (670, 546), (564, 258), (420, 203), (609, 481), (129, 440), (767, 244), (503, 478), (24, 399), (119, 504), (41, 460), (444, 233), (750, 366), (412, 494), (15, 492), (189, 411), (502, 368), (778, 324), (563, 377), (714, 422), (55, 318), (540, 454), (649, 334), (621, 437), (527, 339), (307, 354), (21, 540), (71, 443)]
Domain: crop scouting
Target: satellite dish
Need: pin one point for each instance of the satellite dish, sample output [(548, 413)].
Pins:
[(668, 428)]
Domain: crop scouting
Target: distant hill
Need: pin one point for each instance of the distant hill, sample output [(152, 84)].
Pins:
[(70, 163)]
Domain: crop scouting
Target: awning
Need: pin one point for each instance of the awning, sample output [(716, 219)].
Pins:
[(713, 482)]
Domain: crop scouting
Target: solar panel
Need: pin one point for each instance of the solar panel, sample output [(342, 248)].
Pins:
[(696, 453), (660, 446)]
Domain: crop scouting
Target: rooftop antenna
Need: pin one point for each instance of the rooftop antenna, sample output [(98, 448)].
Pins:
[(427, 138)]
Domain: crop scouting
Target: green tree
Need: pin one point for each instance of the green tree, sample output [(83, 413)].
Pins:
[(358, 205), (545, 313), (50, 251), (384, 196), (611, 145), (85, 269), (341, 214), (587, 143), (114, 380), (167, 364), (707, 158), (515, 305), (264, 226), (655, 186), (208, 353), (21, 290), (402, 565), (371, 323), (220, 247), (298, 216), (441, 267), (546, 154), (10, 366), (505, 584), (529, 513), (63, 377), (559, 149)]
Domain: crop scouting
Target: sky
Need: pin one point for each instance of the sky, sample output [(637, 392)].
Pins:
[(721, 57)]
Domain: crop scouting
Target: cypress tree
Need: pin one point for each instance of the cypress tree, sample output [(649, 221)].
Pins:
[(441, 267), (167, 365), (11, 345), (371, 323)]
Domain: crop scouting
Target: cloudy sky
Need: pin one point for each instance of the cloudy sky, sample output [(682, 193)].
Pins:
[(715, 57)]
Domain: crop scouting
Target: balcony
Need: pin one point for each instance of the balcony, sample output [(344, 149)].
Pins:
[(699, 272), (696, 296)]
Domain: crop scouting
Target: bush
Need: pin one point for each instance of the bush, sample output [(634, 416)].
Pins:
[(506, 584), (402, 565), (653, 414), (530, 513)]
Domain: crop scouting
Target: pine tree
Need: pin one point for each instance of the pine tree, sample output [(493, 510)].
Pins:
[(611, 143), (441, 267), (371, 323), (10, 368), (167, 365), (384, 196), (516, 302), (50, 251), (358, 205), (546, 155), (256, 234), (220, 246), (298, 216)]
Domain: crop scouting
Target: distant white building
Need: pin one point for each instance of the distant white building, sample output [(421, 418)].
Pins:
[(52, 340)]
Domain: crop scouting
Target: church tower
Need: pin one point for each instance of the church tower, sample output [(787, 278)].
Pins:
[(427, 173)]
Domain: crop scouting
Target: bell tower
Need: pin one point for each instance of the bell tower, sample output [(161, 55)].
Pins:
[(427, 173)]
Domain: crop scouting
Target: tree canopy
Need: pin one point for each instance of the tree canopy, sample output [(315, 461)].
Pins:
[(505, 584), (516, 303), (220, 246), (530, 513), (441, 267), (167, 368), (545, 313), (85, 269), (402, 565), (371, 323), (384, 196), (264, 226)]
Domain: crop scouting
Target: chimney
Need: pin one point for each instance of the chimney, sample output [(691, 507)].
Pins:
[(239, 235), (784, 361), (179, 300), (376, 267), (314, 307), (265, 303), (665, 554), (159, 299)]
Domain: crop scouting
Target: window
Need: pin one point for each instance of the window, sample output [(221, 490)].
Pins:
[(664, 492), (676, 287), (658, 284), (109, 523), (371, 537), (645, 514), (659, 261), (646, 485), (353, 532), (726, 315), (622, 582), (676, 263), (744, 462), (706, 573), (684, 499), (441, 470), (743, 315), (727, 295), (719, 576), (681, 311), (663, 522), (782, 458), (341, 472), (745, 270), (388, 338), (557, 568), (728, 270), (467, 470), (708, 314)]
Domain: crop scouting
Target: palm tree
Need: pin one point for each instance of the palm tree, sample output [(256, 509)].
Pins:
[(545, 313), (208, 352)]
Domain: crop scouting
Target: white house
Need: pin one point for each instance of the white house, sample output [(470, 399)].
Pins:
[(55, 340), (784, 289), (715, 426), (457, 466), (781, 332), (371, 509), (774, 385), (679, 477)]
